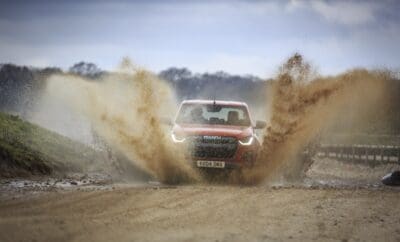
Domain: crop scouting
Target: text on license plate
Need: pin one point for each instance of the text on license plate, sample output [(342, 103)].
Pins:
[(210, 163)]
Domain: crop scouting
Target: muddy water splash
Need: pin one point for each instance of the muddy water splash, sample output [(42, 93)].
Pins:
[(304, 104), (126, 109)]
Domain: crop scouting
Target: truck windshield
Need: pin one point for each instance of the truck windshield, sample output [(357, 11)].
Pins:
[(213, 114)]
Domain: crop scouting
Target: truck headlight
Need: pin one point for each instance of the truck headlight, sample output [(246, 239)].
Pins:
[(247, 140), (177, 138)]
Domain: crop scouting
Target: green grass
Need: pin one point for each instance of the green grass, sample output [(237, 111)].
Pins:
[(26, 148)]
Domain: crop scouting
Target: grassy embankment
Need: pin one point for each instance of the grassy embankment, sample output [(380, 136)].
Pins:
[(27, 149)]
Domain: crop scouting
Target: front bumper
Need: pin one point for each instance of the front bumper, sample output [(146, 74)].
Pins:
[(244, 157), (232, 153)]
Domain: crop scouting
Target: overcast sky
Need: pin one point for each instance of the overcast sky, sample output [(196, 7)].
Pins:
[(240, 37)]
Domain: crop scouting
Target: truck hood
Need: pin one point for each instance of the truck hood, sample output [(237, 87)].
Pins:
[(213, 130)]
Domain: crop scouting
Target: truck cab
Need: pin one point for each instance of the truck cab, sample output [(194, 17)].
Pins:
[(218, 134)]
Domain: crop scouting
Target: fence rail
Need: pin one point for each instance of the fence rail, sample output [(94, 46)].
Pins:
[(378, 153)]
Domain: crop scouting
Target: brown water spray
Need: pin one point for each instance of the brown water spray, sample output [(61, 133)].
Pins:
[(126, 109), (304, 104)]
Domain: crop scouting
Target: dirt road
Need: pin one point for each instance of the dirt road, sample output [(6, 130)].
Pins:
[(204, 213), (337, 201)]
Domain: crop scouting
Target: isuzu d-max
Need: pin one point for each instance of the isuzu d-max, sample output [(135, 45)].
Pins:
[(218, 134)]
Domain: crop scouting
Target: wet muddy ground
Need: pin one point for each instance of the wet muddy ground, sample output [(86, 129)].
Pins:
[(336, 201)]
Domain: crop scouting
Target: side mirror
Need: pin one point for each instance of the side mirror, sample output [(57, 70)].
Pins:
[(260, 124), (166, 121)]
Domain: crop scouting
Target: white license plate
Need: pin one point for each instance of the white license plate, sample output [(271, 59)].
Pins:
[(210, 163)]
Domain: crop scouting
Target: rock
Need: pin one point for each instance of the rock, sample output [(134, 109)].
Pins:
[(392, 179)]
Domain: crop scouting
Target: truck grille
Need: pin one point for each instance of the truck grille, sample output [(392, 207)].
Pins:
[(213, 146)]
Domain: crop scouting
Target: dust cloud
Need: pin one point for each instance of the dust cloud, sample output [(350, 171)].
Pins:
[(126, 108), (303, 106)]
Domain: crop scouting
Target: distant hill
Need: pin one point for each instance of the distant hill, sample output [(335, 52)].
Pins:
[(21, 86), (86, 69), (219, 85)]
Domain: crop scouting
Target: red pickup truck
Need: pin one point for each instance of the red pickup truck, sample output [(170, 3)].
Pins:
[(218, 134)]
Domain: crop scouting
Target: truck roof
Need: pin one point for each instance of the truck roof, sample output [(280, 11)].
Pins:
[(218, 102)]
